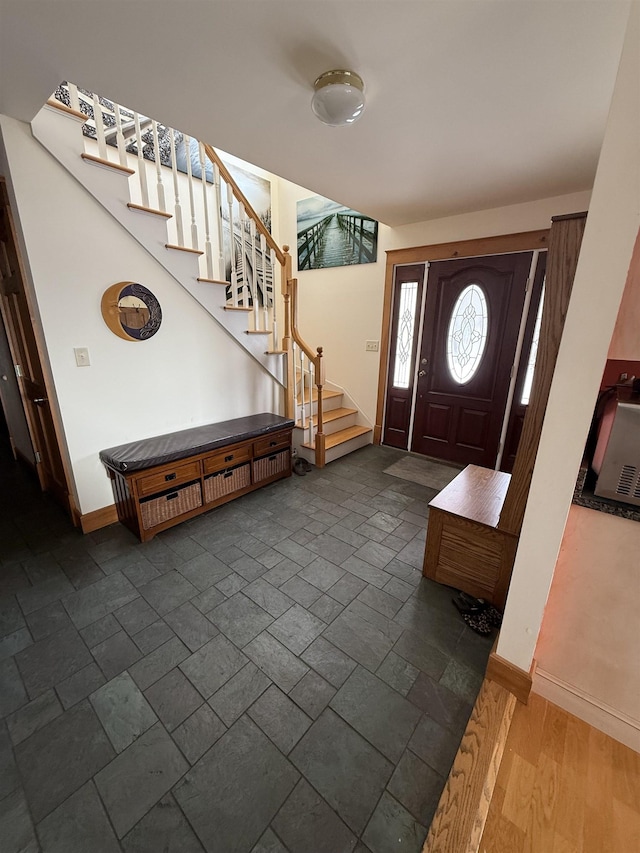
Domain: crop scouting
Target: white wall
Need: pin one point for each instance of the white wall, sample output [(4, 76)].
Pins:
[(612, 226), (189, 373)]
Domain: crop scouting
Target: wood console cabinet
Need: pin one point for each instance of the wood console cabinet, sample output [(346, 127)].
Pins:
[(162, 481)]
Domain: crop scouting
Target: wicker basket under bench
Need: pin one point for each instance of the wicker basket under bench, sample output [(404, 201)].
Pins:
[(159, 482)]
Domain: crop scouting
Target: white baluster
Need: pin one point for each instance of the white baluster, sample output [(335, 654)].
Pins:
[(207, 239), (216, 183), (156, 153), (194, 227), (99, 120), (272, 260), (311, 383), (254, 275), (142, 168), (176, 190), (73, 97), (265, 297), (303, 420), (243, 255), (122, 146), (232, 247)]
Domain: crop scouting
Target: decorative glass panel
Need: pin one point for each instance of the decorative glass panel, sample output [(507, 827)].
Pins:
[(533, 352), (467, 333), (404, 341)]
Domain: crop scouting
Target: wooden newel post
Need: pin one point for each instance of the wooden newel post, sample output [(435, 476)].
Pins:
[(320, 436), (287, 342)]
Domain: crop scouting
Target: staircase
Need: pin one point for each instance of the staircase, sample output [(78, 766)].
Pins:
[(210, 240)]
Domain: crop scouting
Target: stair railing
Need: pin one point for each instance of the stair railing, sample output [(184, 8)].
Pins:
[(253, 251)]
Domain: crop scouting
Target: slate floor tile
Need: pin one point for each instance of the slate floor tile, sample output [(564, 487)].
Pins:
[(140, 572), (393, 828), (193, 628), (397, 673), (379, 713), (326, 608), (157, 663), (439, 628), (366, 571), (240, 619), (332, 663), (33, 716), (51, 660), (123, 711), (276, 661), (306, 822), (116, 654), (251, 779), (60, 757), (9, 779), (213, 665), (321, 573), (298, 553), (198, 733), (386, 626), (346, 589), (361, 640), (173, 698), (100, 630), (153, 636), (208, 599), (137, 778), (248, 568), (283, 571), (135, 616), (435, 745), (345, 770), (445, 707), (43, 593), (79, 685), (462, 680), (48, 620), (279, 718), (331, 549), (269, 843), (14, 643), (80, 823), (204, 570), (417, 787), (297, 629), (268, 597), (91, 603), (11, 618), (301, 591), (241, 691), (16, 828), (381, 601), (168, 592), (417, 650), (163, 830), (398, 588), (269, 558), (231, 584), (312, 693)]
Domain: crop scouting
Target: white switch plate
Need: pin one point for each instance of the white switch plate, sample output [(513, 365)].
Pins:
[(372, 346), (82, 356)]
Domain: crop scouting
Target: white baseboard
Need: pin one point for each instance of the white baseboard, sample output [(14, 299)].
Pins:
[(598, 714)]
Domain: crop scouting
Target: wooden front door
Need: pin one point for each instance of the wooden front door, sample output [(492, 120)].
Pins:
[(472, 317), (24, 351)]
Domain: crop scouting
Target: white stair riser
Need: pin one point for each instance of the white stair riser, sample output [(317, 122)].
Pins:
[(328, 403), (348, 447), (334, 426)]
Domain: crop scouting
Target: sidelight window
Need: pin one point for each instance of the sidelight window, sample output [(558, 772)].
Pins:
[(467, 334), (404, 340), (533, 353)]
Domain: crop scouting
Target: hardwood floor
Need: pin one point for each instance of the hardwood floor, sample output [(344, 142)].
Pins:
[(563, 787)]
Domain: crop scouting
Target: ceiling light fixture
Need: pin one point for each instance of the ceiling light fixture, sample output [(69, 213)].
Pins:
[(338, 98)]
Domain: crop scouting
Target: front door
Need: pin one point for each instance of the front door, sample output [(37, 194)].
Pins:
[(472, 317), (24, 351)]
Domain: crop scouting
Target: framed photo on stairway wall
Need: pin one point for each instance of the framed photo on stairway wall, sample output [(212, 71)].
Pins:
[(332, 235)]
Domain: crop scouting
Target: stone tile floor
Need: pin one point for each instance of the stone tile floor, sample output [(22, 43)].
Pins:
[(273, 676)]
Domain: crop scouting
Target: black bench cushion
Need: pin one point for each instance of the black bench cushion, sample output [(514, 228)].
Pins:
[(188, 442)]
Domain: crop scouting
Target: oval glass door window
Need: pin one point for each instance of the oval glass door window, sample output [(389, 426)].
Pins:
[(467, 333)]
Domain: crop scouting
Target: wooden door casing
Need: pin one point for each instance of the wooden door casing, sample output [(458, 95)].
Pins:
[(458, 421)]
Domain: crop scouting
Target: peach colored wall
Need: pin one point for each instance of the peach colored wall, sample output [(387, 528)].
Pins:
[(625, 343)]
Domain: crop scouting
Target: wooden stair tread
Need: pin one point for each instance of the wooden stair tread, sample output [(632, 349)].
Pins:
[(333, 415), (340, 437), (108, 164), (213, 281), (326, 395), (183, 249), (151, 210), (276, 352), (237, 308), (58, 105)]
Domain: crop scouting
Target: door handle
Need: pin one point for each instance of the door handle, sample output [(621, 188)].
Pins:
[(422, 373)]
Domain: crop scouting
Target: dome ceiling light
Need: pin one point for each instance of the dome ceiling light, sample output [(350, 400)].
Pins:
[(338, 98)]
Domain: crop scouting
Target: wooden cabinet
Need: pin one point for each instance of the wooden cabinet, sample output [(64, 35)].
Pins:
[(154, 498)]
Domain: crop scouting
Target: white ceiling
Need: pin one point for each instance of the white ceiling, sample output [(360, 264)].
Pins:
[(470, 105)]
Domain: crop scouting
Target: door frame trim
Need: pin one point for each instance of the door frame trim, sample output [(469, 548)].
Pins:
[(522, 241)]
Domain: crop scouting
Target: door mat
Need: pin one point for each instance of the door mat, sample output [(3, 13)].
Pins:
[(423, 471)]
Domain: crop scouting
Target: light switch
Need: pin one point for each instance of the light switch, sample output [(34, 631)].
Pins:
[(82, 356), (371, 346)]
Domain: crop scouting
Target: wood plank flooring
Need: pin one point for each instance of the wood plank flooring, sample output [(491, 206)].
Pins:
[(563, 787)]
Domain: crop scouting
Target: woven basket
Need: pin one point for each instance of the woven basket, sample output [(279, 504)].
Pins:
[(225, 482), (156, 510), (269, 466)]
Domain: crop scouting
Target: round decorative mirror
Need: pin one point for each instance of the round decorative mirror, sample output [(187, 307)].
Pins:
[(131, 311)]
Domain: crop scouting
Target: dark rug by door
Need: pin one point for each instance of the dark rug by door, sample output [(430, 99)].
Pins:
[(434, 475)]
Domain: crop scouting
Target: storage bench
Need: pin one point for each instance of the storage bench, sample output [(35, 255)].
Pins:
[(159, 482)]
